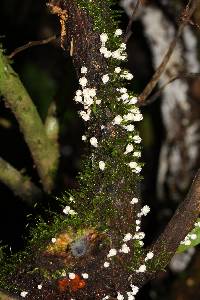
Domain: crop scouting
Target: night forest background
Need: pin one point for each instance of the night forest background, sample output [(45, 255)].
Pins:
[(48, 74)]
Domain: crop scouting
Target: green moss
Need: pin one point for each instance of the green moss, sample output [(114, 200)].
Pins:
[(104, 18)]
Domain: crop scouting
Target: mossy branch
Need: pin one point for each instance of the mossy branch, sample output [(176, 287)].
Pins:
[(44, 152), (20, 184), (83, 32)]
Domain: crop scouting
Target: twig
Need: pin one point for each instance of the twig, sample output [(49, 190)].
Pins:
[(44, 152), (190, 8), (20, 184), (159, 92), (128, 29), (32, 44)]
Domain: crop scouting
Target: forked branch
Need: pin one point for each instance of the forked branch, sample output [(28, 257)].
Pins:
[(44, 152), (189, 10)]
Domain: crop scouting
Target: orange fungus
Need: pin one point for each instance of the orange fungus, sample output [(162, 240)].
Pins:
[(63, 284), (73, 284)]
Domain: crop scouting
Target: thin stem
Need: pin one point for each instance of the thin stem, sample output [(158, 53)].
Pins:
[(128, 29), (32, 44), (155, 96)]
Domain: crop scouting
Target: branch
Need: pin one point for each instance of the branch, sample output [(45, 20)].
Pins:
[(159, 92), (20, 185), (128, 29), (44, 152), (151, 85), (32, 44)]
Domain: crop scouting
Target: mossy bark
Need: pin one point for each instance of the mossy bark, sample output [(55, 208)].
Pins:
[(44, 152)]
